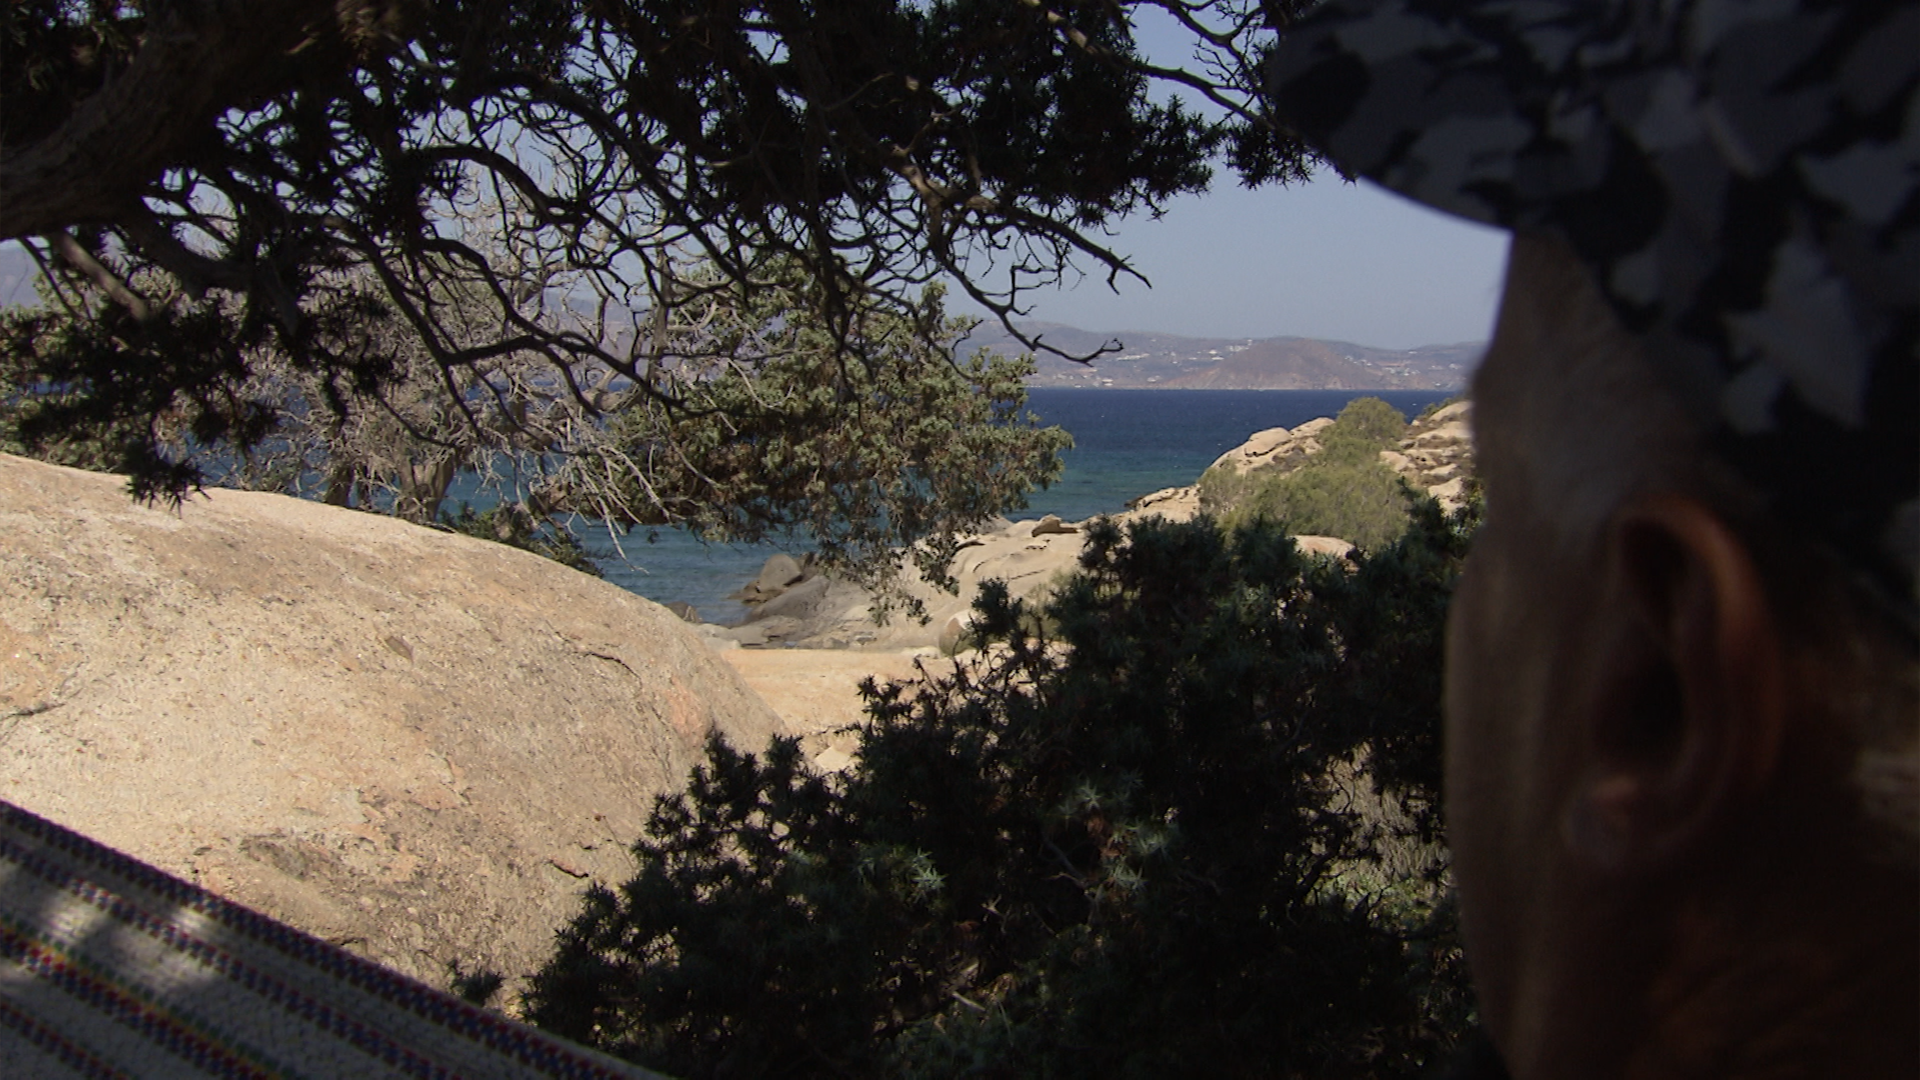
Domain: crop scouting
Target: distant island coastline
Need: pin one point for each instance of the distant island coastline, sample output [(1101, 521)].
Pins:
[(1155, 361), (1145, 361)]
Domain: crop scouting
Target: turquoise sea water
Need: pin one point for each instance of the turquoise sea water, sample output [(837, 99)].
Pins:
[(1127, 443)]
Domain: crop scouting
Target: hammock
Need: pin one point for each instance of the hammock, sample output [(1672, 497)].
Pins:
[(110, 968)]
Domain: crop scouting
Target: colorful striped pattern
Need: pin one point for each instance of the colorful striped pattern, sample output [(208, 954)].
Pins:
[(110, 968)]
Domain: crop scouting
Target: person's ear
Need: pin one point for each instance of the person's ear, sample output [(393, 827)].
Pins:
[(1684, 717)]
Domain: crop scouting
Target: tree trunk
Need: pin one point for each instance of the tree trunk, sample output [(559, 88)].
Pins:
[(424, 488), (339, 484)]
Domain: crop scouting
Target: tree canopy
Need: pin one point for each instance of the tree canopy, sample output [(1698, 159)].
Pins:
[(565, 161), (877, 462), (768, 432)]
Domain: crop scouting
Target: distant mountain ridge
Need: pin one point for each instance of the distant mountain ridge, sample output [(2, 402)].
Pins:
[(1146, 360), (1154, 361)]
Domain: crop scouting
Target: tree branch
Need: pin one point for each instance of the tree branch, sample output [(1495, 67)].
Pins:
[(200, 59), (78, 257)]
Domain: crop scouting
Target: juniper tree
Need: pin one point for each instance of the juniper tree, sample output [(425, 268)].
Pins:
[(767, 428), (262, 150), (1179, 820)]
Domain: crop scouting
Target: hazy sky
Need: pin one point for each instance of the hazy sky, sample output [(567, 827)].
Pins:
[(1322, 260), (1349, 262)]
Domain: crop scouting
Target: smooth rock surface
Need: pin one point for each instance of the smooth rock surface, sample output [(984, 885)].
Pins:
[(817, 691), (1174, 504), (779, 571), (419, 745), (1275, 447)]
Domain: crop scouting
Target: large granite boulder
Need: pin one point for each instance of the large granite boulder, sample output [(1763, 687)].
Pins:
[(1275, 448), (419, 745)]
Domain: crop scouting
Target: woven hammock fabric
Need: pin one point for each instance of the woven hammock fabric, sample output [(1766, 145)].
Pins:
[(111, 968)]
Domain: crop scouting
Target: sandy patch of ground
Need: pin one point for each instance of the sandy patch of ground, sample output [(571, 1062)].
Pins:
[(816, 691)]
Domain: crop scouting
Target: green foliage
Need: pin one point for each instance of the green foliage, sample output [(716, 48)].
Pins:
[(903, 450), (511, 524), (571, 156), (755, 421), (578, 184), (93, 386), (1344, 490), (1360, 501), (1365, 427), (1192, 831)]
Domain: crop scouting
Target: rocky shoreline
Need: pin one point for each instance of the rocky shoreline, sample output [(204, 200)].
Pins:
[(829, 623)]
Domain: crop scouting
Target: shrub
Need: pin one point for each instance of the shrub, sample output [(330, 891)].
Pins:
[(1360, 501), (1344, 490), (1222, 489), (1365, 427), (1146, 834)]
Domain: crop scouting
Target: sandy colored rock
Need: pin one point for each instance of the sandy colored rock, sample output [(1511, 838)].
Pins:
[(1174, 504), (954, 633), (419, 745), (1275, 447), (779, 571), (1331, 546), (816, 691), (1450, 493), (1436, 454)]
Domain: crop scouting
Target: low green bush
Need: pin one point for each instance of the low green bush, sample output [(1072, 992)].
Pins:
[(1345, 490), (1185, 824), (1365, 427), (1360, 501)]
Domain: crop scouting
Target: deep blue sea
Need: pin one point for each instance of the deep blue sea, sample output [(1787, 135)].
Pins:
[(1126, 443)]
